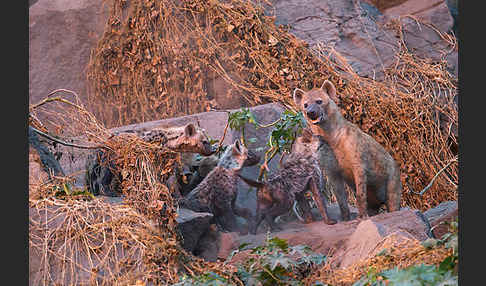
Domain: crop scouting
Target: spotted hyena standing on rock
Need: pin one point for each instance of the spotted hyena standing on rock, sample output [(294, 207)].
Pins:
[(101, 179), (362, 162), (298, 173), (217, 192)]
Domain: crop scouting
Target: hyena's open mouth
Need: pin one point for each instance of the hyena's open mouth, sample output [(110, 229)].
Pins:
[(317, 120)]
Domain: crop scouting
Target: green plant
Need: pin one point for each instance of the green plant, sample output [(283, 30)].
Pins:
[(276, 263), (282, 136), (238, 119), (64, 190), (206, 279)]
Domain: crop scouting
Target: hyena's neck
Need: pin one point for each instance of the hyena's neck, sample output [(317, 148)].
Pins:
[(164, 137), (331, 129)]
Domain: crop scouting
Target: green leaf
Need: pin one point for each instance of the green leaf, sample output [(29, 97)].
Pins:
[(278, 242), (66, 189)]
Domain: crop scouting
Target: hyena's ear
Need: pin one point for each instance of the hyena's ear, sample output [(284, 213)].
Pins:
[(189, 130), (330, 89), (297, 95), (237, 147)]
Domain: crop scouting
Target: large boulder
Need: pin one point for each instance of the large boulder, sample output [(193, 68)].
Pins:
[(357, 29), (192, 225), (62, 34), (73, 160), (341, 238)]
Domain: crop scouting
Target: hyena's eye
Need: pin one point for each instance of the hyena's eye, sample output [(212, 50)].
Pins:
[(305, 105), (319, 101)]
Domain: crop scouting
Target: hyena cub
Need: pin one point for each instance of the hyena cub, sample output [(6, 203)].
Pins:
[(362, 162), (298, 173), (100, 178), (216, 194), (206, 164)]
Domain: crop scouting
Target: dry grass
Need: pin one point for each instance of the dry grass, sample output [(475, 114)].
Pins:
[(156, 59), (81, 240), (401, 252)]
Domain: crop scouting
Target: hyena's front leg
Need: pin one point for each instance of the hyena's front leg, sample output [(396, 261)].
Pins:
[(224, 215), (361, 195)]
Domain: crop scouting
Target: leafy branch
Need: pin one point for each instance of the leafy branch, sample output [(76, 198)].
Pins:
[(282, 136)]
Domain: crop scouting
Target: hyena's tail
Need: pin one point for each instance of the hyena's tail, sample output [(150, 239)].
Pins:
[(251, 183), (294, 208)]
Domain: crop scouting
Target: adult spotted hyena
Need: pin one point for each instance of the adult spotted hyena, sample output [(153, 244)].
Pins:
[(362, 162)]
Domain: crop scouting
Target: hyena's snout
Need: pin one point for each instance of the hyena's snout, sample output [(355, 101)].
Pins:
[(313, 112)]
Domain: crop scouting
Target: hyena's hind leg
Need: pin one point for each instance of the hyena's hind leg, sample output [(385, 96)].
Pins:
[(304, 207), (337, 183), (320, 200), (393, 193)]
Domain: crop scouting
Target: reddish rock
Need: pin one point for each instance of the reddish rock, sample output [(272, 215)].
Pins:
[(333, 239), (366, 236), (37, 175)]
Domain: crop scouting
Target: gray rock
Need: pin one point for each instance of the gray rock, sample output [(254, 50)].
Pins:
[(440, 216), (49, 163), (191, 226), (357, 31), (73, 160)]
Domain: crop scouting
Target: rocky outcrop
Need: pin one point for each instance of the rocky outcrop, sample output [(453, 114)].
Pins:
[(61, 36), (73, 160), (350, 240), (358, 31)]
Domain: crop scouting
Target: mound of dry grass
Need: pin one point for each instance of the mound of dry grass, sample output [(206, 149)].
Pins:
[(82, 240), (401, 252)]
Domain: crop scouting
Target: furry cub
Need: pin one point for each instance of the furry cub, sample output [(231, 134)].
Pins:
[(299, 173), (217, 192)]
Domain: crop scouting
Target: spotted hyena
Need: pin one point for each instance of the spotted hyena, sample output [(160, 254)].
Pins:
[(217, 193), (299, 172), (101, 179), (362, 162)]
